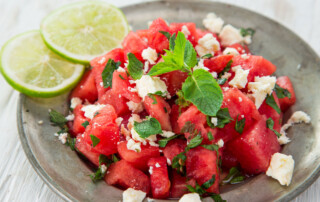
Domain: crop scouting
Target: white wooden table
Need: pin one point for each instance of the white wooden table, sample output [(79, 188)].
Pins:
[(18, 180)]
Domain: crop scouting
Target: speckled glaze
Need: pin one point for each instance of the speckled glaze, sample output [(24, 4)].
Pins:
[(67, 174)]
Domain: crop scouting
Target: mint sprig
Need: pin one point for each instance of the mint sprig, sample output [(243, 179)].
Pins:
[(107, 72), (281, 92), (146, 128)]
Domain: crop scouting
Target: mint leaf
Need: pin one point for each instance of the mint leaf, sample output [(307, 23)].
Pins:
[(167, 34), (234, 177), (237, 180), (223, 117), (188, 127), (203, 91), (71, 142), (207, 56), (147, 128), (95, 140), (270, 124), (172, 41), (240, 125), (103, 159), (98, 175), (135, 67), (210, 137), (248, 31), (85, 124), (107, 73), (281, 92), (178, 162), (115, 158), (211, 147), (163, 67), (165, 141), (190, 56), (222, 81), (209, 183), (153, 98), (216, 197), (272, 103), (194, 142), (57, 118), (226, 69)]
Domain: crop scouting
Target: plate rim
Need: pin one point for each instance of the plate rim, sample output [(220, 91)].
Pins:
[(67, 197)]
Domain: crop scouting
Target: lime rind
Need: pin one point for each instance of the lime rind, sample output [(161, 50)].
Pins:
[(85, 30), (20, 63)]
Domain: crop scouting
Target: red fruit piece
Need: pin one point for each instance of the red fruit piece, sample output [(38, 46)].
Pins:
[(257, 65), (242, 49), (159, 110), (192, 37), (178, 185), (173, 148), (117, 101), (138, 159), (156, 40), (121, 86), (201, 165), (79, 119), (228, 160), (86, 149), (160, 183), (104, 128), (86, 89), (174, 116), (269, 112), (217, 64), (174, 81), (134, 44), (98, 64), (126, 176), (254, 148), (285, 103)]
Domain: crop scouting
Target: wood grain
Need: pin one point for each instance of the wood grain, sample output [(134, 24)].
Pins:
[(18, 180)]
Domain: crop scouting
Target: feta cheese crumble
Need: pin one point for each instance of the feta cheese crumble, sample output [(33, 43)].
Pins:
[(281, 168), (103, 168), (185, 31), (296, 117), (200, 65), (208, 44), (151, 170), (158, 165), (90, 110), (230, 35), (147, 84), (70, 117), (131, 195), (230, 51), (214, 121), (150, 55), (135, 107), (261, 87), (168, 161), (240, 78), (134, 146), (213, 23), (167, 134), (192, 197), (220, 143), (74, 102), (119, 121), (63, 137)]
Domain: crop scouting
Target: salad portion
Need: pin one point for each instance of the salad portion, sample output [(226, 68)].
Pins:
[(178, 111)]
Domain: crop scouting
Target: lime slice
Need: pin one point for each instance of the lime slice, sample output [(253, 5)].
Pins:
[(32, 68), (85, 30)]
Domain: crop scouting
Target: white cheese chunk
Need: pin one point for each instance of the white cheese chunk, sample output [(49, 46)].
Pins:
[(230, 35), (151, 170), (134, 146), (135, 107), (74, 102), (103, 168), (63, 137), (261, 87), (214, 121), (158, 165), (167, 134), (201, 66), (296, 117), (185, 31), (90, 110), (150, 55), (220, 143), (213, 23), (226, 75), (70, 117), (147, 84), (208, 44), (192, 197), (230, 51), (247, 39), (240, 78), (119, 121), (281, 168), (131, 195)]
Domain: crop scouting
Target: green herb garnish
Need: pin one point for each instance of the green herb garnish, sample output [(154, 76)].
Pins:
[(270, 124), (107, 72), (135, 67), (240, 124), (146, 128)]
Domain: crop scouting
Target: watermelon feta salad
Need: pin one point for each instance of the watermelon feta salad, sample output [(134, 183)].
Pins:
[(179, 111)]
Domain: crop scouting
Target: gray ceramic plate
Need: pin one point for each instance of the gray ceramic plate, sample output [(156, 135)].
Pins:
[(67, 174)]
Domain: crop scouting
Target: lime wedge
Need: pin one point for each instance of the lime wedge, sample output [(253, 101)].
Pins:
[(85, 30), (32, 68)]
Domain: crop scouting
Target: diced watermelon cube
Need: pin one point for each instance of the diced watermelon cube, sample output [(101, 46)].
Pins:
[(269, 112), (134, 44), (174, 81), (217, 64), (201, 165), (257, 65), (174, 116), (117, 101), (192, 37), (159, 110), (160, 183), (98, 64), (228, 160), (121, 86), (173, 148), (123, 174), (285, 103), (85, 148), (86, 89), (156, 40), (254, 148), (79, 119), (179, 185), (138, 159)]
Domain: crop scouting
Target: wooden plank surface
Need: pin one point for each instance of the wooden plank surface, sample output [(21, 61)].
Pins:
[(18, 180)]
